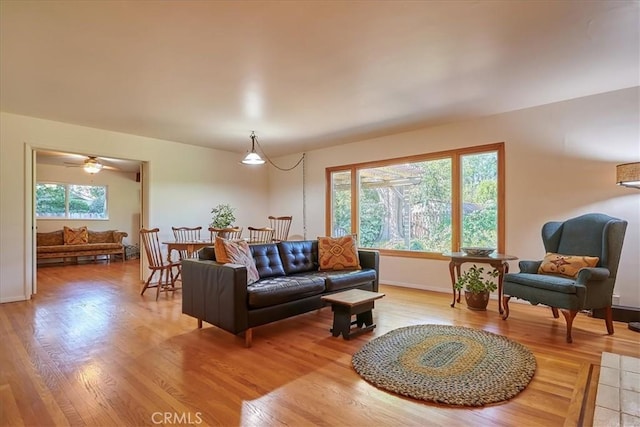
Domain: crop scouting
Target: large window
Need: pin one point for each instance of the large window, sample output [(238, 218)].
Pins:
[(70, 201), (421, 205)]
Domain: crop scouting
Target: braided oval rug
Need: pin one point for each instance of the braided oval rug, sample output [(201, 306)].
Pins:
[(446, 364)]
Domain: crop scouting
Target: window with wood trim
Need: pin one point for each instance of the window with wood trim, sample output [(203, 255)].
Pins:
[(421, 206), (71, 201)]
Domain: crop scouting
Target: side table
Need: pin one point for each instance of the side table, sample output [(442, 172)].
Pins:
[(347, 304), (495, 260)]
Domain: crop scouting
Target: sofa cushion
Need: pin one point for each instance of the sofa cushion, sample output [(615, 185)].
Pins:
[(101, 237), (338, 253), (52, 238), (299, 256), (337, 280), (208, 253), (75, 236), (238, 252), (282, 289), (220, 250), (96, 247), (267, 259)]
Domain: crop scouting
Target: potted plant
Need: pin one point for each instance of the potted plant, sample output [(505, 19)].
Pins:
[(222, 216), (477, 285)]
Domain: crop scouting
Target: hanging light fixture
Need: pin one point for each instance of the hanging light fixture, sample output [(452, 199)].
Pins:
[(253, 158), (628, 175), (92, 165)]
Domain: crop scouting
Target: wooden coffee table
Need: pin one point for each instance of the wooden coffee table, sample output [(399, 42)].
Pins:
[(348, 303)]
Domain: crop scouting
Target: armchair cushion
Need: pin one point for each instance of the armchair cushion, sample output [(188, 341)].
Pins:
[(547, 282), (566, 265)]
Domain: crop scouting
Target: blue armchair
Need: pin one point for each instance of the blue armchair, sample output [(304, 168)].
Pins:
[(590, 235)]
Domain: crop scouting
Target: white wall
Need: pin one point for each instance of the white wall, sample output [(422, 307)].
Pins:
[(560, 163), (123, 199), (185, 183)]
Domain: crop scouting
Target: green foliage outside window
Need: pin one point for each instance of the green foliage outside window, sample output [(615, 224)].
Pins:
[(71, 201), (408, 206)]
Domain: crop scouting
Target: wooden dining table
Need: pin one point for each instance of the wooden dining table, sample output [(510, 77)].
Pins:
[(190, 246)]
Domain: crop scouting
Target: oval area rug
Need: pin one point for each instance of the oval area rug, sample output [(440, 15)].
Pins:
[(446, 364)]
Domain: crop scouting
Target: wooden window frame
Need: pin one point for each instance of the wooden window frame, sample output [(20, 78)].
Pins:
[(456, 198)]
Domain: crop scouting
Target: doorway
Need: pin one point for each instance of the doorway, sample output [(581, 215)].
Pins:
[(124, 183)]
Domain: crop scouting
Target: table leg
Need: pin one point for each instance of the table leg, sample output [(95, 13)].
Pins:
[(502, 268), (453, 282)]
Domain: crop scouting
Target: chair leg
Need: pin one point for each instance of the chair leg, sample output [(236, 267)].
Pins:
[(146, 284), (505, 304), (569, 315), (555, 312), (159, 285), (608, 319)]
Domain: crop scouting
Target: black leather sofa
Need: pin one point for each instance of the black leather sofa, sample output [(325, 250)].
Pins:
[(290, 284)]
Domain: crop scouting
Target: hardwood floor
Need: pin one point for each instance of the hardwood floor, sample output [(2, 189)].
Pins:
[(95, 352)]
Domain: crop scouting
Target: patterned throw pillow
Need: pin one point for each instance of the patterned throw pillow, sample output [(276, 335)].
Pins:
[(566, 265), (338, 253), (237, 252), (76, 236)]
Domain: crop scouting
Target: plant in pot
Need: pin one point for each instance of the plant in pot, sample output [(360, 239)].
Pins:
[(477, 285), (222, 216)]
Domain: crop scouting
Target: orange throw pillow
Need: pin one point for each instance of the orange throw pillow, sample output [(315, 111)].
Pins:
[(236, 252), (338, 253), (76, 236), (220, 251), (566, 265)]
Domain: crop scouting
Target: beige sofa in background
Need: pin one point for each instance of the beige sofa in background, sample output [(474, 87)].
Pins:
[(51, 245)]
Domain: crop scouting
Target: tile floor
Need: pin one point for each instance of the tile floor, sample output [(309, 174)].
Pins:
[(618, 395)]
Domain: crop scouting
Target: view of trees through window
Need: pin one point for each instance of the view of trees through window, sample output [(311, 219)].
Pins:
[(411, 205), (71, 201)]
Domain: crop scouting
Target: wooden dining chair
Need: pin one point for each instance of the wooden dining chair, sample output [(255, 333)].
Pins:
[(158, 263), (231, 233), (186, 234), (280, 225), (260, 234)]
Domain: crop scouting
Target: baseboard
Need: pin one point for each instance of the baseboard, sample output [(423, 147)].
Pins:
[(620, 313)]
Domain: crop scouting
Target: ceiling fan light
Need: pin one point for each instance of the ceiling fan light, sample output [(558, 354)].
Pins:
[(92, 166)]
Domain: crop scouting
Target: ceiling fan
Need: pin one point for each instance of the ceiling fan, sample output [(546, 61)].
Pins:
[(90, 165)]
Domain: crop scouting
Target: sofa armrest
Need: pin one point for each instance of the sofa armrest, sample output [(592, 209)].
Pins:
[(371, 259), (119, 235), (215, 293)]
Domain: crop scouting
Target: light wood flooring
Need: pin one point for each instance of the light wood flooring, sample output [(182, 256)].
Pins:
[(89, 350)]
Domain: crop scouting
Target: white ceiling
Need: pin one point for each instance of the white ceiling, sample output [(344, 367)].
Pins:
[(305, 74)]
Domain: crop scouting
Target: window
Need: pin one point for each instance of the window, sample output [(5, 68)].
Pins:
[(70, 201), (421, 205)]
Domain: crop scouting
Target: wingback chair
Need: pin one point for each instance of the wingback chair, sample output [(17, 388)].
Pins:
[(548, 282)]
